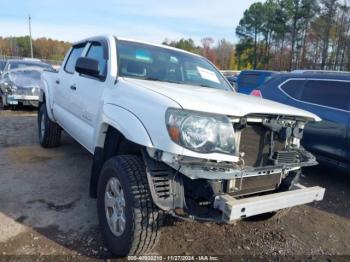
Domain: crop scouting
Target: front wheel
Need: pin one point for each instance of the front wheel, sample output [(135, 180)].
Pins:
[(129, 220), (49, 131)]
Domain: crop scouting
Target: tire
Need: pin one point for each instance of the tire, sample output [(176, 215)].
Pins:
[(142, 218), (49, 132), (2, 104)]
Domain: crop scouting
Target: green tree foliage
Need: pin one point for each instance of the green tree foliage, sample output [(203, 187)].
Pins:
[(251, 27), (289, 34), (222, 54), (185, 44)]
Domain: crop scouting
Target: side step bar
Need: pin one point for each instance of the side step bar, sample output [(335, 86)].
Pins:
[(235, 209)]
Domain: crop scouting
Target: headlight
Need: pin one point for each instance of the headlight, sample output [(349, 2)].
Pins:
[(10, 87), (200, 132)]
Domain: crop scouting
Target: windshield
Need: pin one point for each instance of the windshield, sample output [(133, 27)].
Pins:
[(147, 62), (15, 65)]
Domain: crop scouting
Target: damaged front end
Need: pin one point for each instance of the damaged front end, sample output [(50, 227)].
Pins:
[(268, 162), (21, 86)]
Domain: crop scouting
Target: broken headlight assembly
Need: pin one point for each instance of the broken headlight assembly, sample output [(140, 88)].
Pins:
[(201, 132), (8, 87)]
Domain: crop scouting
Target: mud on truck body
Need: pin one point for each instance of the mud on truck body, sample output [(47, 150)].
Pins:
[(170, 136)]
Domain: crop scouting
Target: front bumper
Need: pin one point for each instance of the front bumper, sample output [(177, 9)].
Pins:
[(15, 99), (234, 209)]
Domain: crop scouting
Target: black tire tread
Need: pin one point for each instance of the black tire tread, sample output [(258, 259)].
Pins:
[(147, 217), (52, 136)]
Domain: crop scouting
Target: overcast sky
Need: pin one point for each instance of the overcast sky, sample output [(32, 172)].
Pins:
[(149, 20)]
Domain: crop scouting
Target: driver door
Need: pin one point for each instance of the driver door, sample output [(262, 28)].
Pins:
[(87, 94)]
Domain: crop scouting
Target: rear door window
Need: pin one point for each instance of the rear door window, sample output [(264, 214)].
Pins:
[(334, 94), (73, 57), (293, 87)]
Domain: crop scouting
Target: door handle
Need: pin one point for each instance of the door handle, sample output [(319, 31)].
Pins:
[(57, 81), (73, 87)]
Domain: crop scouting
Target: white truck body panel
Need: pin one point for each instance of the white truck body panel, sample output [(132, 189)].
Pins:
[(219, 101), (84, 111)]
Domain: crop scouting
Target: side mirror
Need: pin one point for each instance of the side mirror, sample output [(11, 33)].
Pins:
[(87, 66)]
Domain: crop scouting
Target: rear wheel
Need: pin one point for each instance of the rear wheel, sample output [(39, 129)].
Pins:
[(129, 220), (49, 131), (2, 103)]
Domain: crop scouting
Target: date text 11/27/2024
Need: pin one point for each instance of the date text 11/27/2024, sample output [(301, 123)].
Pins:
[(173, 258)]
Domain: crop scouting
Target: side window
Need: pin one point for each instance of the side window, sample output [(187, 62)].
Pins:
[(294, 88), (334, 94), (96, 52), (73, 57)]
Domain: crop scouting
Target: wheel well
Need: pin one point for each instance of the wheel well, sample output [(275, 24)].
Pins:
[(114, 144)]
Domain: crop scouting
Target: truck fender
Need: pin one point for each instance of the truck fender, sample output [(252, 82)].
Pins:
[(45, 96), (127, 123)]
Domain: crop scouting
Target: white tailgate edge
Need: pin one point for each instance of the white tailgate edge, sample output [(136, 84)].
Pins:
[(234, 209)]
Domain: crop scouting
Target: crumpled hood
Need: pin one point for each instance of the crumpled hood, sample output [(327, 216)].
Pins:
[(219, 101), (26, 78)]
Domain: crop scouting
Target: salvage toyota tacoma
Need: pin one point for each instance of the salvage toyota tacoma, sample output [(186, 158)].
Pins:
[(170, 136)]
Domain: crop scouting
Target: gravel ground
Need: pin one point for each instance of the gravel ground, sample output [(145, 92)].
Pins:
[(45, 209)]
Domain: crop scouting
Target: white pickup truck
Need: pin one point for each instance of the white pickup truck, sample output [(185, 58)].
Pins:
[(169, 135)]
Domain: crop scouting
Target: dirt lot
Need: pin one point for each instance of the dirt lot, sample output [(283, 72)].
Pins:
[(45, 209)]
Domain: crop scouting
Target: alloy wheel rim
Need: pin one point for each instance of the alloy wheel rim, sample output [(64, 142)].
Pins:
[(115, 206)]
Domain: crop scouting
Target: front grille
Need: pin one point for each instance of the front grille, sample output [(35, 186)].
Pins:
[(254, 144), (25, 92)]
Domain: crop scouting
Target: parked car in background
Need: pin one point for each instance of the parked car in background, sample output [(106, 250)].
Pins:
[(20, 63), (326, 94), (248, 80), (20, 81), (20, 86), (233, 81), (231, 76), (230, 72)]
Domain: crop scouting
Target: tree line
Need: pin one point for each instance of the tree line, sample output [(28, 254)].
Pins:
[(222, 53), (43, 48), (275, 34), (295, 34)]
